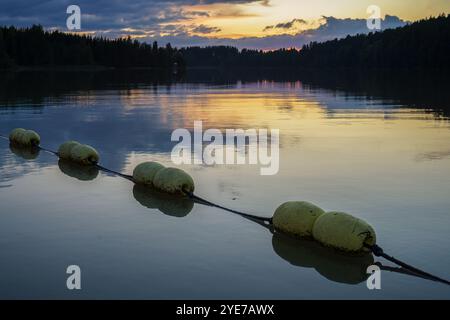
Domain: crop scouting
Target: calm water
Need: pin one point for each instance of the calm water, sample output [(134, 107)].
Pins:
[(370, 148)]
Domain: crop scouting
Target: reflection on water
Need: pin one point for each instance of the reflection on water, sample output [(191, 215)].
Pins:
[(374, 148), (75, 170), (168, 204), (27, 153), (331, 264)]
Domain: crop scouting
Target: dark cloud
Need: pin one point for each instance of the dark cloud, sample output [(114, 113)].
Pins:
[(101, 14), (285, 25), (167, 21), (330, 28), (205, 29)]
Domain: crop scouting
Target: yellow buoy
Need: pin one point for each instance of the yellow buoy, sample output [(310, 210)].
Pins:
[(343, 231), (77, 152), (20, 136), (173, 180), (296, 218), (84, 154), (64, 150), (145, 172)]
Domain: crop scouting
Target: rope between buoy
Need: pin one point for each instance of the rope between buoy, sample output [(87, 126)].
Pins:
[(379, 252), (247, 215), (126, 176), (375, 249)]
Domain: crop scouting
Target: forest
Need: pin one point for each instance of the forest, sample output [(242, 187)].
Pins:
[(36, 47), (422, 44)]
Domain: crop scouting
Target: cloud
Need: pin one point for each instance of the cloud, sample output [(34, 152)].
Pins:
[(329, 29), (205, 29), (233, 13), (286, 25), (173, 21), (109, 13)]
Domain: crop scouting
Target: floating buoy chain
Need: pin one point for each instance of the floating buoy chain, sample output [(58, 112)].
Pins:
[(302, 219)]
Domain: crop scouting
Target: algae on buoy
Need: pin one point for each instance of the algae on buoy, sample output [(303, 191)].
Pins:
[(145, 172), (343, 231), (77, 152), (20, 136), (64, 150), (174, 180), (296, 218), (84, 154)]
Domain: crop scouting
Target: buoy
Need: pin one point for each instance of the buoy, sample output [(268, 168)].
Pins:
[(296, 218), (343, 231), (77, 152), (173, 180), (64, 150), (78, 171), (145, 172), (20, 136), (84, 154)]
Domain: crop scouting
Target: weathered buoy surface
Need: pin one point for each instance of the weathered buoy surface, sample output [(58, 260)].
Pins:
[(77, 152), (343, 231), (145, 172), (24, 137), (64, 150), (84, 154), (296, 218), (173, 180)]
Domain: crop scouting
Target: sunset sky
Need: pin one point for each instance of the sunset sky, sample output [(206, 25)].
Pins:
[(261, 24)]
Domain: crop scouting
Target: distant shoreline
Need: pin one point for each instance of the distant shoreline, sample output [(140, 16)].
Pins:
[(76, 68)]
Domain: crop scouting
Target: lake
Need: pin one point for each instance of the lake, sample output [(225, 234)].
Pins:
[(373, 145)]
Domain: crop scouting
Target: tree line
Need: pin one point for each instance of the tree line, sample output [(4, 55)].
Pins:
[(425, 43), (35, 47)]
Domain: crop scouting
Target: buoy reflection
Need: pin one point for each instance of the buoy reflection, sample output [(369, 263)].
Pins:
[(333, 265), (25, 152), (168, 204), (78, 171)]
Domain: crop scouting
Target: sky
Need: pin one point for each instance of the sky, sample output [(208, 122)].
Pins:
[(261, 24)]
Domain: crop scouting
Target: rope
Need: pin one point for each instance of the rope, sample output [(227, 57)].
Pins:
[(376, 250), (246, 215), (128, 177)]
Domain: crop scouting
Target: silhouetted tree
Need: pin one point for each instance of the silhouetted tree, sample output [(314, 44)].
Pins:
[(425, 43), (36, 47)]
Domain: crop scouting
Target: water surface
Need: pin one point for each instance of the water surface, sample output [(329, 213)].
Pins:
[(359, 147)]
